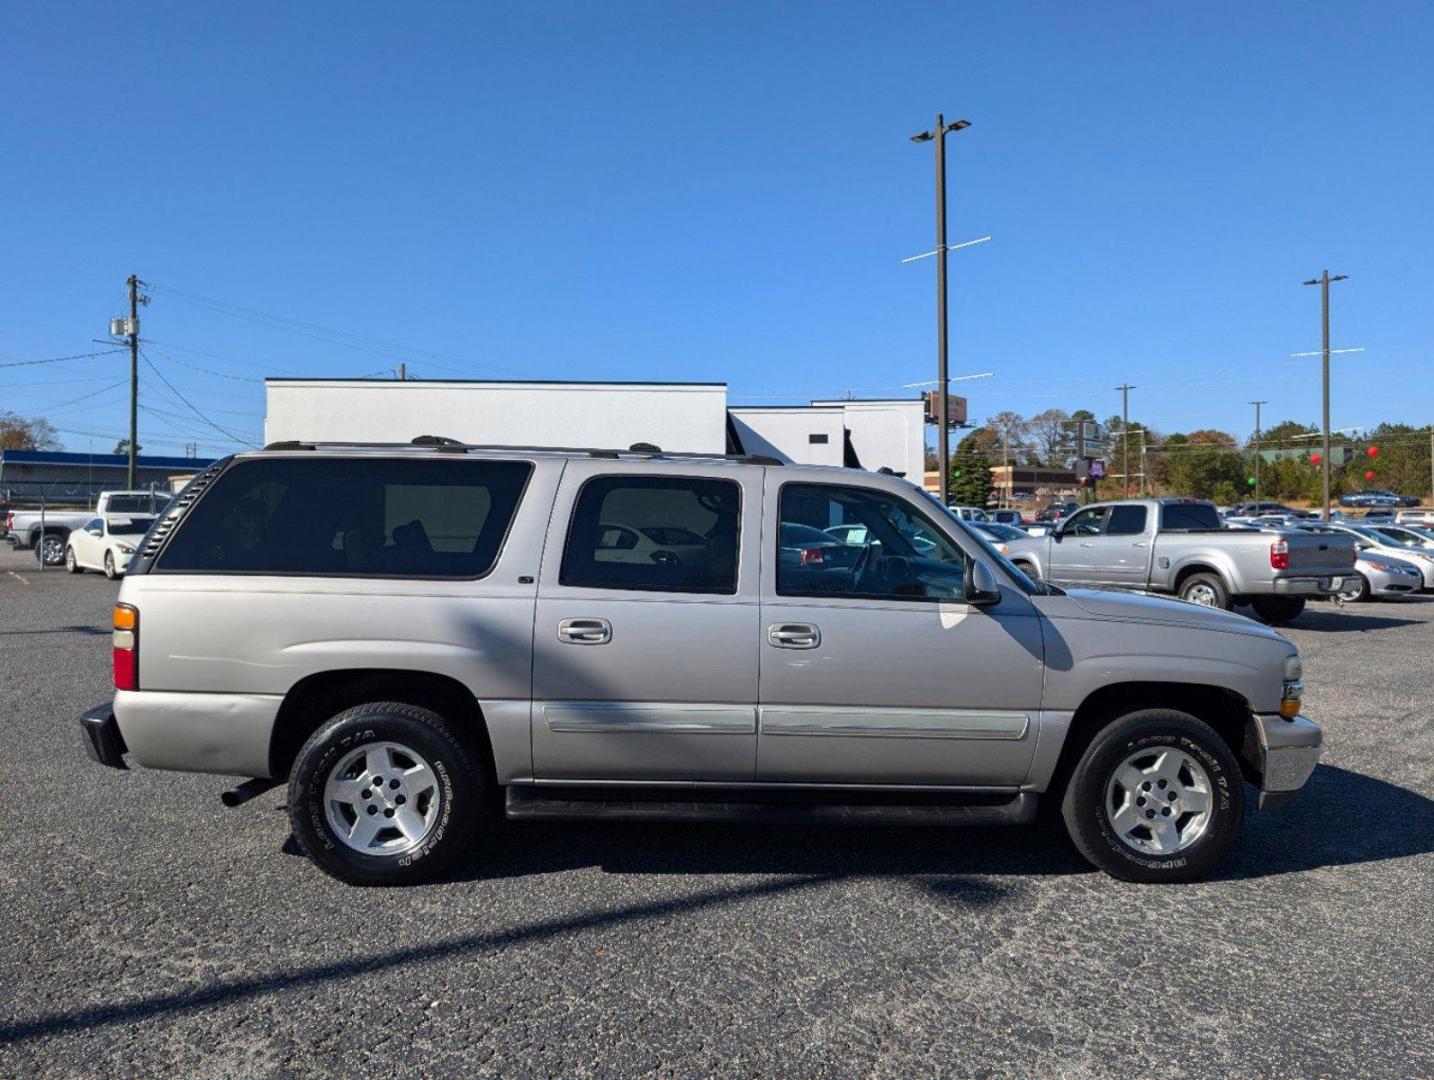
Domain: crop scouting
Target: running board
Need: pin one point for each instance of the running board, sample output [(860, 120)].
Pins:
[(528, 804)]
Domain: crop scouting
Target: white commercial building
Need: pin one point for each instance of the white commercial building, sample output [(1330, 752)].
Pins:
[(679, 417)]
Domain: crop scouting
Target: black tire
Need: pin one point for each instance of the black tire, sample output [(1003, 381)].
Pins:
[(1278, 610), (1359, 593), (1084, 806), (110, 571), (459, 785), (70, 564), (1197, 584)]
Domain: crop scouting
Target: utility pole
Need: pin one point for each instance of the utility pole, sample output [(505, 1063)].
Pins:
[(1006, 464), (1323, 282), (402, 372), (943, 445), (1142, 461), (1125, 389), (134, 301), (1257, 405)]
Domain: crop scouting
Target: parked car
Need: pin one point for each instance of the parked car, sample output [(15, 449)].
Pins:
[(1376, 497), (1251, 508), (47, 532), (970, 513), (293, 616), (1415, 517), (105, 544), (1180, 546), (1000, 535), (1057, 510), (660, 543), (1375, 549), (1004, 517)]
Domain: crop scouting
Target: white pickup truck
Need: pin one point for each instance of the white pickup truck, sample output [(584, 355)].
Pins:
[(1181, 546), (47, 532)]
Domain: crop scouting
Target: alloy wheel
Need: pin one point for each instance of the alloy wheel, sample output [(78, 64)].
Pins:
[(382, 799), (1158, 800)]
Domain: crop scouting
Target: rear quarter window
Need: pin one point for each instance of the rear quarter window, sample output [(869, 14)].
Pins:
[(1186, 516), (350, 517)]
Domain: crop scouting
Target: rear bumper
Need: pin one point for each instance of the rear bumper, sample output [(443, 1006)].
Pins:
[(102, 738), (1308, 586), (1285, 754)]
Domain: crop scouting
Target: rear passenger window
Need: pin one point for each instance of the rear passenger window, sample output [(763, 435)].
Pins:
[(380, 517), (1125, 521), (679, 535)]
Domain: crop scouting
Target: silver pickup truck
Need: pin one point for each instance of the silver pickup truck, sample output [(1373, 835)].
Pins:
[(415, 636), (45, 531), (1181, 547)]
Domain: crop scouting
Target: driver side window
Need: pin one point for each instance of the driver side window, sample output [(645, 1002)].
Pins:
[(859, 542), (1087, 522)]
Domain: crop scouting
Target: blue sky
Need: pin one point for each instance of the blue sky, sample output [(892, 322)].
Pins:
[(719, 192)]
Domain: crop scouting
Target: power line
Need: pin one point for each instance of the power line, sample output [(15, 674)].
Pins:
[(333, 335), (190, 405), (59, 359)]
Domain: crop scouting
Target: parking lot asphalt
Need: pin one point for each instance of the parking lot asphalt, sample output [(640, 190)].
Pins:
[(149, 931)]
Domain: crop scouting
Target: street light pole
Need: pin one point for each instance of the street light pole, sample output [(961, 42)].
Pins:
[(1257, 405), (1125, 389), (1323, 282), (943, 443)]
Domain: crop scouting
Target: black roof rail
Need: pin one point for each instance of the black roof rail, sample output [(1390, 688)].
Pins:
[(443, 444)]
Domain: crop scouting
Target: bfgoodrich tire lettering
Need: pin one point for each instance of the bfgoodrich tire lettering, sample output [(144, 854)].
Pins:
[(456, 787), (1153, 732)]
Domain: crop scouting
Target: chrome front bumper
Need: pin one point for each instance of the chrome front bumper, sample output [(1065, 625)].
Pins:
[(1285, 753)]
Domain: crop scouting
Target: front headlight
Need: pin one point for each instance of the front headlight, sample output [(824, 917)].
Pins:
[(1375, 564), (125, 549), (1292, 692)]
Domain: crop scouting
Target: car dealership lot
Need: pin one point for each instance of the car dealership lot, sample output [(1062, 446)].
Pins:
[(152, 931)]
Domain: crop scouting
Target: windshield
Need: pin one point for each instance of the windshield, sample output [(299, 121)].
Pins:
[(130, 527), (1023, 582)]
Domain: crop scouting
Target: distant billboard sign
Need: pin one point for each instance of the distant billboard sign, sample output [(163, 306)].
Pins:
[(955, 408)]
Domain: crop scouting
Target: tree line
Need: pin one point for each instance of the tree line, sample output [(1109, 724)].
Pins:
[(1205, 463)]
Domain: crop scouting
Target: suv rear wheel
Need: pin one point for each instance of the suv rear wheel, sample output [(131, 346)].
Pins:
[(1156, 797), (385, 794)]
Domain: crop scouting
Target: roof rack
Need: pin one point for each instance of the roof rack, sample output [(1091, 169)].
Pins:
[(443, 444)]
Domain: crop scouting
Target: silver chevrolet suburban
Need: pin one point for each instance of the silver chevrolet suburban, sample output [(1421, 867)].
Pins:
[(414, 635)]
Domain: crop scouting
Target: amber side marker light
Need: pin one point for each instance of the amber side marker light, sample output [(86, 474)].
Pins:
[(126, 647)]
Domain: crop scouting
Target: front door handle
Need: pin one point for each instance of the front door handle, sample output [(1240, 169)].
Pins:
[(1086, 543), (1142, 543), (794, 636), (585, 631)]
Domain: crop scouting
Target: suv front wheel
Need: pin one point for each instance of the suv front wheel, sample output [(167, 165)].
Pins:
[(1156, 797), (385, 794)]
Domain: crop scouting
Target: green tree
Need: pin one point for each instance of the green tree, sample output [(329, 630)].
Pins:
[(122, 448), (971, 471)]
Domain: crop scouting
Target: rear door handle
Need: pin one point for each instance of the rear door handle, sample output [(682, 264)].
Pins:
[(585, 631), (794, 636), (1087, 543), (1142, 543)]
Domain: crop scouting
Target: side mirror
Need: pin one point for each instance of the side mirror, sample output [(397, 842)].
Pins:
[(982, 588)]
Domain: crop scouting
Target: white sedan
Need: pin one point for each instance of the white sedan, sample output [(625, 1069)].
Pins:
[(105, 544)]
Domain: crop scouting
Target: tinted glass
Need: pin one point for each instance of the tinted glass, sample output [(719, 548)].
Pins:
[(136, 504), (691, 526), (131, 526), (1189, 516), (901, 554), (378, 517), (1086, 523), (1125, 521)]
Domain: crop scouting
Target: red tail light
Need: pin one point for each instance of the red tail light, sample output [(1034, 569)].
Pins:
[(1280, 555), (811, 556), (126, 647)]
